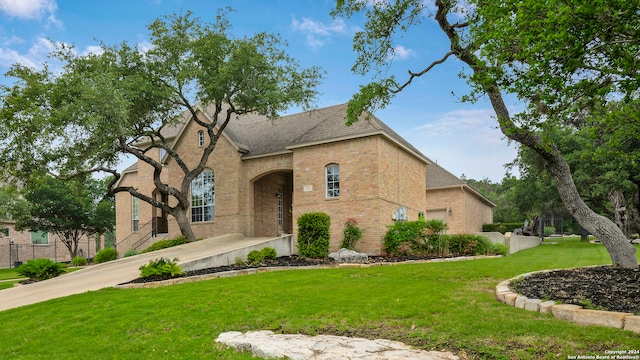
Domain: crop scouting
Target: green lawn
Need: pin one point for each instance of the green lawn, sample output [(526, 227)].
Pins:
[(441, 306)]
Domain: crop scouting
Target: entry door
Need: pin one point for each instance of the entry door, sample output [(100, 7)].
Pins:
[(280, 210)]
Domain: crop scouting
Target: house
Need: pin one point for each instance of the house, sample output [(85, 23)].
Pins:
[(267, 173)]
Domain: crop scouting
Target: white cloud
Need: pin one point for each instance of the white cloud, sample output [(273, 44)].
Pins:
[(402, 53), (29, 9), (318, 33)]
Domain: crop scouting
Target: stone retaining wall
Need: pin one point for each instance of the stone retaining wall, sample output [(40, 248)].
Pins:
[(567, 312)]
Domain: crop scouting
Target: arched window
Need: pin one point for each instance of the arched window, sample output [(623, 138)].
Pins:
[(201, 138), (203, 197), (333, 180)]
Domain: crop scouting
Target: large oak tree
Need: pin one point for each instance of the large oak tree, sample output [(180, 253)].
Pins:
[(563, 59), (103, 105)]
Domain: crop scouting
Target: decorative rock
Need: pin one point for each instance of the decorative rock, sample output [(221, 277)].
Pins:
[(532, 304), (601, 318), (324, 347), (632, 323), (565, 311), (349, 256), (545, 307)]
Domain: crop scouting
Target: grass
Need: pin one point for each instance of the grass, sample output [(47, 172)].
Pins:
[(10, 276), (438, 306)]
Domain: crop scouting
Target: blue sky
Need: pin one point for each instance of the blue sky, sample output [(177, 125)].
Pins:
[(461, 137)]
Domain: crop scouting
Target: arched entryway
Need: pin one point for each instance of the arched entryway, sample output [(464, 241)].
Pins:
[(272, 200)]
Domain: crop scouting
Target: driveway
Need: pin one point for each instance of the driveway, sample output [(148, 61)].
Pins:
[(199, 254)]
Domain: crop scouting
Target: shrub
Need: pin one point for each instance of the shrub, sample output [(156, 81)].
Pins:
[(403, 237), (163, 244), (269, 253), (549, 230), (469, 245), (78, 261), (41, 269), (255, 257), (502, 227), (238, 261), (314, 235), (351, 234), (498, 249), (162, 267), (131, 252), (432, 239), (106, 254)]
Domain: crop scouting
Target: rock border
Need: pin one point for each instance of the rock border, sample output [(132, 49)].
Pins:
[(567, 312), (232, 273)]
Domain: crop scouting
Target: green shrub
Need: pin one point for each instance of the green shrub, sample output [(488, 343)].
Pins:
[(238, 261), (314, 235), (269, 253), (469, 245), (162, 267), (41, 269), (78, 261), (106, 254), (549, 230), (131, 252), (255, 257), (502, 227), (163, 244), (403, 237), (498, 249), (351, 234), (432, 240)]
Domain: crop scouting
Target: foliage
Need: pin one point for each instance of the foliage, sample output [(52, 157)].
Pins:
[(432, 239), (99, 106), (79, 261), (314, 235), (402, 237), (498, 249), (104, 255), (72, 209), (12, 205), (164, 268), (163, 244), (351, 234), (269, 253), (238, 261), (501, 227), (41, 269), (255, 257), (468, 245), (549, 230), (131, 252)]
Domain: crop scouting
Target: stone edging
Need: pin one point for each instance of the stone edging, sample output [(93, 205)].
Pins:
[(567, 312), (232, 273)]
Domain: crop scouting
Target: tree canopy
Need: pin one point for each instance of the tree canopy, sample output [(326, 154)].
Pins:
[(119, 101), (564, 60)]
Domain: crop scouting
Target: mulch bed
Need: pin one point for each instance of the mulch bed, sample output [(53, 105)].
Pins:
[(600, 287)]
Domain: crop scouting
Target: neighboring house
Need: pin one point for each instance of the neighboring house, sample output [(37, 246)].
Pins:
[(267, 173)]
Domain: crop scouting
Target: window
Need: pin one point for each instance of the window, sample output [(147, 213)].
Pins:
[(4, 232), (163, 152), (135, 214), (203, 197), (200, 138), (39, 238), (333, 180)]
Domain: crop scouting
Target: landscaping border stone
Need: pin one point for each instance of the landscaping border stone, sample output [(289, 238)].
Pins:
[(566, 312)]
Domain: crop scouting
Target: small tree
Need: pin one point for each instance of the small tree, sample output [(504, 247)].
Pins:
[(351, 234), (314, 235)]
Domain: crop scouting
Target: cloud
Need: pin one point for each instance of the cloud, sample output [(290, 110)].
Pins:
[(29, 9), (402, 53), (36, 55), (318, 33)]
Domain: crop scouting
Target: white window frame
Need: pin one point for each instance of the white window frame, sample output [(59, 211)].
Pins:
[(203, 202), (332, 181), (201, 138), (135, 214)]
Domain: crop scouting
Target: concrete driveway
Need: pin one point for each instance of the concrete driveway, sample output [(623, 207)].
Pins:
[(201, 254)]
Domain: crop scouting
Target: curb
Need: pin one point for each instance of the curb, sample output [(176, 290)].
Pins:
[(232, 273), (566, 312)]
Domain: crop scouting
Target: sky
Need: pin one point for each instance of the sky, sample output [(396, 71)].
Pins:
[(461, 137)]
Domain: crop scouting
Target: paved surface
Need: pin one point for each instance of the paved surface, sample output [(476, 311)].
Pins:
[(268, 345), (115, 272)]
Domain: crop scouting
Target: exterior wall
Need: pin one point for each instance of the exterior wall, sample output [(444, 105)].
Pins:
[(266, 197), (17, 247), (376, 178), (468, 212), (477, 213)]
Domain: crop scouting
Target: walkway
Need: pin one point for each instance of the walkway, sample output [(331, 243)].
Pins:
[(191, 256)]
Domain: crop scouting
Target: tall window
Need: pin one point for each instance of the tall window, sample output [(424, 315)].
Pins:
[(203, 197), (39, 238), (200, 138), (135, 214), (333, 180), (4, 232)]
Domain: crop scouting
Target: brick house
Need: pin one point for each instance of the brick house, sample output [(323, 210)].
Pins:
[(267, 173)]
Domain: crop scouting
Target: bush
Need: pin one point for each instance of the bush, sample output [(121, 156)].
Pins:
[(163, 244), (131, 252), (549, 230), (41, 269), (432, 239), (351, 234), (78, 261), (314, 235), (403, 237), (498, 249), (106, 254), (255, 257), (469, 245), (162, 267), (269, 253), (502, 227)]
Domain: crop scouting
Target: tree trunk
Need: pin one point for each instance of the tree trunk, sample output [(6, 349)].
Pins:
[(620, 211), (183, 223)]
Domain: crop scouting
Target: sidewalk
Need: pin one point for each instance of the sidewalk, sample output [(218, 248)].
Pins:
[(119, 271)]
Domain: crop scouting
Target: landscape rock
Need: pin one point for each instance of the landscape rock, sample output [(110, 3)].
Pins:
[(324, 347), (349, 256)]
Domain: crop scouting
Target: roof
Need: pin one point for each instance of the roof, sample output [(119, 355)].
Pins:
[(439, 178)]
